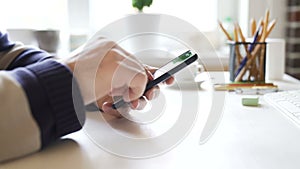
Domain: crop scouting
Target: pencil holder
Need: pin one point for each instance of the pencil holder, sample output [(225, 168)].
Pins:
[(247, 61)]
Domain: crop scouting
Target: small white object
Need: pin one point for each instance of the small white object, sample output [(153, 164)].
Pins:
[(275, 59)]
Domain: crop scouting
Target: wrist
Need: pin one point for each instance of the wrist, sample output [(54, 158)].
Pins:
[(67, 63)]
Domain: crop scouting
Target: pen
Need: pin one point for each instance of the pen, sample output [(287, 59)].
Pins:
[(255, 91), (252, 45)]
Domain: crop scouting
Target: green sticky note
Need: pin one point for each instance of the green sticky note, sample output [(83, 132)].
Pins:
[(250, 101)]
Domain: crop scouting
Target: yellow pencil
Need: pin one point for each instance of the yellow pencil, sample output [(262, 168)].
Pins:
[(241, 33), (235, 34), (242, 38), (271, 27), (265, 27), (224, 30), (237, 49), (253, 26)]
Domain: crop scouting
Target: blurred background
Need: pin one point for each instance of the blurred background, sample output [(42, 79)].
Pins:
[(76, 20)]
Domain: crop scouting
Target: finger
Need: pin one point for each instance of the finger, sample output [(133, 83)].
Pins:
[(136, 87), (170, 80), (152, 69), (152, 93), (118, 92), (134, 104), (107, 108), (105, 103), (142, 103), (149, 74), (131, 80), (103, 99), (132, 91)]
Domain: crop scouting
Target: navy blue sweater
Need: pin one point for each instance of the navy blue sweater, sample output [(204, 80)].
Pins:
[(52, 93)]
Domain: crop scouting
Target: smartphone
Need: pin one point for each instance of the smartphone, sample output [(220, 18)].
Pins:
[(165, 72)]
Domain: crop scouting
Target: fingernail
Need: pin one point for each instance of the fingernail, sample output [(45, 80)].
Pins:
[(132, 106)]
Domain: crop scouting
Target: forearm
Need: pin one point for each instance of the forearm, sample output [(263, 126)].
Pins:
[(53, 96), (19, 131), (40, 102)]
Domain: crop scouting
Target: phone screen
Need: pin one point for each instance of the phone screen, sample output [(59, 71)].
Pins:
[(172, 67), (172, 64), (166, 72)]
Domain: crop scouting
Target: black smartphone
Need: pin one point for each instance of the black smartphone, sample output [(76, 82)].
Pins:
[(165, 72)]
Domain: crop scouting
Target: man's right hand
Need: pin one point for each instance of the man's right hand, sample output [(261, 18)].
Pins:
[(103, 68)]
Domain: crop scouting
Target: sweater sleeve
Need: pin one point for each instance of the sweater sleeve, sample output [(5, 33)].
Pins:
[(19, 131), (49, 100)]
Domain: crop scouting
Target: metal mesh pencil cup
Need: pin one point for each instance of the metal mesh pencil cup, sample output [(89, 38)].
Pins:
[(247, 61)]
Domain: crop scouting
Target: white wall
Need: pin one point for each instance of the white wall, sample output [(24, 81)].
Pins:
[(257, 10), (228, 8), (78, 12), (34, 14)]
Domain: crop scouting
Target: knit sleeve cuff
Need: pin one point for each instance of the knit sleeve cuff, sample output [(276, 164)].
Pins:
[(54, 98)]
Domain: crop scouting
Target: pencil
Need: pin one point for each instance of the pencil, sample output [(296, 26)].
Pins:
[(265, 27), (262, 63), (245, 60), (271, 27), (240, 33), (264, 24), (237, 49), (260, 25), (224, 30), (254, 71), (253, 26), (242, 37), (248, 63), (235, 34)]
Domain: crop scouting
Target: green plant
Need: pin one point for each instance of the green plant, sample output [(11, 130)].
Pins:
[(140, 4)]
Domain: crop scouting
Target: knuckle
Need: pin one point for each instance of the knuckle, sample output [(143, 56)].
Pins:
[(111, 43), (113, 52), (142, 77)]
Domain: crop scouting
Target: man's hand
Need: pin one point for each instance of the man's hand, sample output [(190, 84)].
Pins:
[(105, 103), (102, 68), (104, 71)]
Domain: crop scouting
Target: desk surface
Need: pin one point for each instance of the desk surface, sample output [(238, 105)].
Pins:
[(246, 137)]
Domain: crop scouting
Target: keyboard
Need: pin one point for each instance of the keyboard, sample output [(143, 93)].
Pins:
[(287, 102)]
